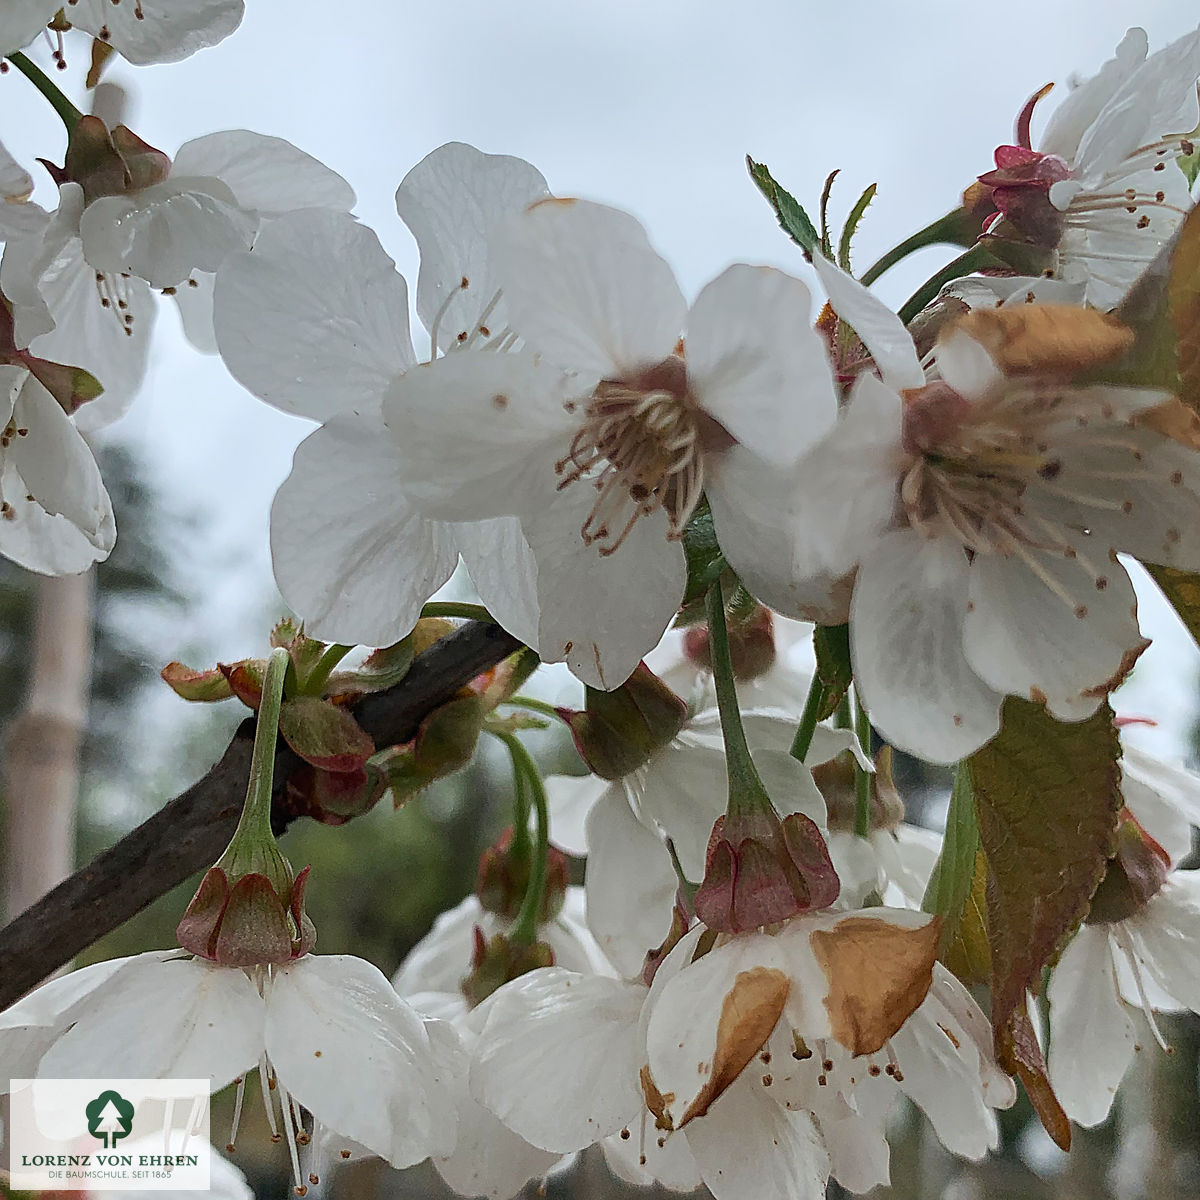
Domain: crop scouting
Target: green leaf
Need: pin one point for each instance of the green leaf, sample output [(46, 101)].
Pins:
[(851, 227), (826, 244), (190, 684), (380, 670), (1182, 590), (956, 887), (1189, 164), (324, 735), (831, 644), (1047, 796), (705, 562), (792, 218)]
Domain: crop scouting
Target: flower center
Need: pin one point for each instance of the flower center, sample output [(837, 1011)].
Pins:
[(639, 447)]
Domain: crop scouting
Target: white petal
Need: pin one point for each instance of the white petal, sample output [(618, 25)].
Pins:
[(452, 200), (159, 31), (1091, 1034), (23, 21), (194, 1021), (906, 636), (790, 785), (1023, 638), (502, 568), (314, 319), (602, 613), (50, 545), (194, 300), (165, 232), (630, 884), (881, 330), (750, 1146), (479, 433), (571, 798), (266, 174), (559, 1028), (353, 1053), (438, 962), (646, 1156), (965, 365), (350, 553), (1166, 935), (1163, 796), (1083, 104), (756, 364), (58, 465), (585, 287)]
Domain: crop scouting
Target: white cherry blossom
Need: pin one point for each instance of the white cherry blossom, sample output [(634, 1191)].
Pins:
[(600, 436), (984, 512), (329, 1031), (143, 31), (314, 320), (1102, 188)]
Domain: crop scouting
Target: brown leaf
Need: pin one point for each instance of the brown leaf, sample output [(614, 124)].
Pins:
[(1047, 796), (751, 1010), (1037, 338), (1018, 1052), (878, 974)]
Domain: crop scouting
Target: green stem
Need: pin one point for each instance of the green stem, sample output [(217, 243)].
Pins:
[(256, 812), (451, 608), (535, 705), (524, 930), (314, 685), (976, 257), (955, 228), (841, 715), (862, 777), (745, 787), (808, 719), (69, 114)]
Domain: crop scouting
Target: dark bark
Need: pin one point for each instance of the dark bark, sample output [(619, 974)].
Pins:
[(189, 832)]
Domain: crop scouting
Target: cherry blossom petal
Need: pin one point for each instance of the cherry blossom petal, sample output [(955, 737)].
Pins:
[(479, 434), (497, 556), (314, 319), (571, 799), (452, 200), (602, 613), (358, 1058), (1068, 644), (58, 466), (906, 636), (194, 1021), (584, 287), (50, 545), (750, 1146), (965, 365), (1163, 796), (1166, 937), (882, 331), (165, 232), (647, 1156), (630, 884), (356, 562), (158, 31), (1091, 1033), (194, 300), (1085, 100), (846, 486), (559, 1028), (266, 174), (23, 21), (756, 364), (18, 216)]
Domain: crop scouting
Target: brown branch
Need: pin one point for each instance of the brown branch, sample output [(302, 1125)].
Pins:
[(190, 831)]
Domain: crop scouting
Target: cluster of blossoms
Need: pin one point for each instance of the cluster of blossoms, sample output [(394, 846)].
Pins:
[(758, 962)]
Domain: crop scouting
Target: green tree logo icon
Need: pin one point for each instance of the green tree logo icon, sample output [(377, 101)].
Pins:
[(109, 1117)]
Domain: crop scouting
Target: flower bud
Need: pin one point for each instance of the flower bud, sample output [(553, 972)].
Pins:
[(836, 781), (497, 961), (760, 870), (619, 731), (751, 644), (504, 877)]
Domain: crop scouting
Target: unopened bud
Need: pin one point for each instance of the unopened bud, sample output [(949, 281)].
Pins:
[(499, 960), (503, 879), (751, 644)]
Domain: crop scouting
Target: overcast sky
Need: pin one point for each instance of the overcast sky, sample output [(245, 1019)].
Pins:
[(651, 105)]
